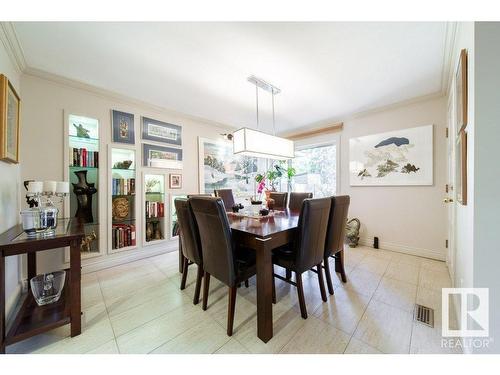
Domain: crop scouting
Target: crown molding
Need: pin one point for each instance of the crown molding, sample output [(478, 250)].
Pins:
[(447, 73), (108, 94), (12, 46)]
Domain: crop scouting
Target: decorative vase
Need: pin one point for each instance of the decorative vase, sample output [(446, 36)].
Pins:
[(84, 191)]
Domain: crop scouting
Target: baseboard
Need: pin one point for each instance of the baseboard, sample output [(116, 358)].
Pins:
[(399, 248), (11, 303), (100, 263)]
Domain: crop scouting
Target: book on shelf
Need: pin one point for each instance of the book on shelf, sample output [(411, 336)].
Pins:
[(123, 186), (123, 235), (81, 157), (155, 209)]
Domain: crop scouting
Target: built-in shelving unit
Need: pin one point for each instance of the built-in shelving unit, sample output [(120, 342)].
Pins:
[(123, 204), (155, 214), (82, 170)]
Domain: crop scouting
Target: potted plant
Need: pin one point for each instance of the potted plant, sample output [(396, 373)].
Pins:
[(269, 180)]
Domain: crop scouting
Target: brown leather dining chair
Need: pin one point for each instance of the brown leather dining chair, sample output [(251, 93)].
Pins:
[(198, 195), (334, 244), (296, 200), (279, 200), (308, 248), (227, 197), (190, 244), (222, 258)]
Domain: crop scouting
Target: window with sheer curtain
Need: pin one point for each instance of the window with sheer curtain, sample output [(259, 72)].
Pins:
[(316, 170)]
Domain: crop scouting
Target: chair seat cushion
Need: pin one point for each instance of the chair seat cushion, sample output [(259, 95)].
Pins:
[(285, 257)]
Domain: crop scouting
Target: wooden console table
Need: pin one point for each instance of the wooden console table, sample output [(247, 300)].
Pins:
[(30, 319)]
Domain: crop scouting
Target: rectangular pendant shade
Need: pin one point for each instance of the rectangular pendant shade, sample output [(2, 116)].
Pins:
[(254, 143)]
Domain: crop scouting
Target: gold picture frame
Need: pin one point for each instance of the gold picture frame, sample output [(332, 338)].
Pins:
[(461, 92), (10, 111), (461, 168)]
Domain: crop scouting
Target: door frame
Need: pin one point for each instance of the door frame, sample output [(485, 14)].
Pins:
[(451, 178)]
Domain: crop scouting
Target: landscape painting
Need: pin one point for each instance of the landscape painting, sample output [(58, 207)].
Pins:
[(403, 157), (221, 169)]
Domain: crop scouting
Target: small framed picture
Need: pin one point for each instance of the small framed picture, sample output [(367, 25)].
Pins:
[(161, 157), (175, 181), (158, 131), (123, 127), (10, 105)]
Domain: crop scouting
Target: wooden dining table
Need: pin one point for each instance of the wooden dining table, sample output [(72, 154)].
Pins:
[(263, 234)]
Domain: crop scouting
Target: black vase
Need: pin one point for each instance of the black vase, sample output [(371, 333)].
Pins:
[(84, 191)]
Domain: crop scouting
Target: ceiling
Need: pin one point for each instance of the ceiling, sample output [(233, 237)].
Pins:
[(326, 71)]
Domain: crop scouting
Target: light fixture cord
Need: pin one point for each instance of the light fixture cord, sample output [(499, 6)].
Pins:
[(274, 125), (257, 101)]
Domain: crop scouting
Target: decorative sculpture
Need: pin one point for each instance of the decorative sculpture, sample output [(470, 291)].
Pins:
[(120, 208), (352, 232), (87, 241), (125, 164), (84, 191), (81, 132)]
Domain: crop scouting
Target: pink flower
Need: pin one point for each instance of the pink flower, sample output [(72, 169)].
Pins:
[(261, 186)]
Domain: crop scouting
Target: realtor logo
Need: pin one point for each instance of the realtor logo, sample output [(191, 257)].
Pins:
[(473, 314)]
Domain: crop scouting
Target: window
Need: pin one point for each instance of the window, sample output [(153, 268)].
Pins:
[(316, 170)]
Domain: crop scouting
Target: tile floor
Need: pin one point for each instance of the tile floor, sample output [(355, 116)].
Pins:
[(138, 308)]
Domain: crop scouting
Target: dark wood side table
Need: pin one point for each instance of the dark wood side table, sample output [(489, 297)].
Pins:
[(30, 319)]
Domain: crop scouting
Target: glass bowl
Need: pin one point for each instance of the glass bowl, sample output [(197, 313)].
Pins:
[(47, 288)]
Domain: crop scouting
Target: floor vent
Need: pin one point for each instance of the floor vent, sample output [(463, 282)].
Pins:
[(424, 314)]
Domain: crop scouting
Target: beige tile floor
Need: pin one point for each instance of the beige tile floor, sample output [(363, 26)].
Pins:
[(138, 308)]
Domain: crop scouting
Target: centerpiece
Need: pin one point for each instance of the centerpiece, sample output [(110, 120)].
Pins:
[(271, 179)]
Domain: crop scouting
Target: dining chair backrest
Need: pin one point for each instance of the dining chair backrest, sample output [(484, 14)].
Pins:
[(227, 197), (216, 239), (198, 195), (279, 200), (309, 244), (189, 234), (336, 224), (296, 200)]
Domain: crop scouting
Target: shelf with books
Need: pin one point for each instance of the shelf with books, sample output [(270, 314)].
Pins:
[(155, 228), (82, 145), (122, 189)]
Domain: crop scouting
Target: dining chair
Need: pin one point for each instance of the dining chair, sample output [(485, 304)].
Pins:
[(198, 195), (222, 258), (308, 247), (227, 197), (190, 244), (279, 200), (296, 200), (334, 244)]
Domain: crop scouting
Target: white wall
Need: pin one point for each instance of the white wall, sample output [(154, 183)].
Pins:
[(45, 99), (9, 188), (409, 219), (486, 176)]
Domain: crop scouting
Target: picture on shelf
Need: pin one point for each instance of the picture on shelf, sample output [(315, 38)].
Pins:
[(123, 127), (161, 157), (158, 131), (10, 105), (175, 181)]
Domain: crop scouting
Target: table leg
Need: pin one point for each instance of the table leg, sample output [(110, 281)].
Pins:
[(75, 285), (181, 257), (2, 305), (264, 291), (31, 265)]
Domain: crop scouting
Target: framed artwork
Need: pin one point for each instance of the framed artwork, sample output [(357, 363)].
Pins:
[(175, 181), (122, 124), (161, 157), (461, 168), (10, 109), (461, 92), (402, 157), (219, 168), (158, 131)]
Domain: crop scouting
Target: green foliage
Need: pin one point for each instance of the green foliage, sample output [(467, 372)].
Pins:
[(278, 170)]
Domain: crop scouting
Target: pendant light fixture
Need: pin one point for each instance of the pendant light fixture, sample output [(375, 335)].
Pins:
[(252, 142)]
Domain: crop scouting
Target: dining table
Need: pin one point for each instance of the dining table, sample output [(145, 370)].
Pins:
[(262, 234)]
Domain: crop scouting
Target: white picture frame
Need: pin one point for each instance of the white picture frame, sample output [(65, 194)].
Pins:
[(397, 158)]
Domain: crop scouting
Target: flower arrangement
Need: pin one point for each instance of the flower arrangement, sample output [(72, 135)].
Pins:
[(269, 179)]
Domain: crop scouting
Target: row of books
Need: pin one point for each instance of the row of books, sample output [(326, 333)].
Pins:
[(123, 235), (81, 157), (123, 186), (155, 209)]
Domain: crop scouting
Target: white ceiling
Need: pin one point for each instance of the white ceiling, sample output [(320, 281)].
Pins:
[(326, 71)]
